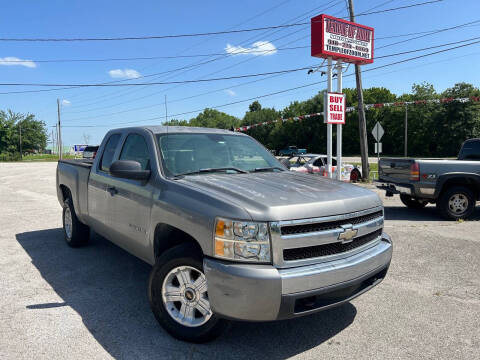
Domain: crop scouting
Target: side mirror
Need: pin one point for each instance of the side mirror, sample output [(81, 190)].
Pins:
[(285, 162), (129, 169)]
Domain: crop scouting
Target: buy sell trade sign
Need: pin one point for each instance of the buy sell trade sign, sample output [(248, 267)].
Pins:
[(334, 108)]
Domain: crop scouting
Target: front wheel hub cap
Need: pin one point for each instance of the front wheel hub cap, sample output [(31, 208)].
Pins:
[(185, 296)]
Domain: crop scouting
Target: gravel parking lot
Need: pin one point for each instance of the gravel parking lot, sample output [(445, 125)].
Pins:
[(90, 303)]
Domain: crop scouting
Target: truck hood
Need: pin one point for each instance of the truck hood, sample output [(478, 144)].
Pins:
[(287, 195)]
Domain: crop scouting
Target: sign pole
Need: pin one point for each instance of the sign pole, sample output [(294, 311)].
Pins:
[(378, 145), (329, 126), (339, 126)]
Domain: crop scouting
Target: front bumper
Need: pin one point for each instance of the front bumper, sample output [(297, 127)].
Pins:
[(265, 293)]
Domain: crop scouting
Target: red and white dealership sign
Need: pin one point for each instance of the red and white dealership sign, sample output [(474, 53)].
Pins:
[(335, 108), (341, 39)]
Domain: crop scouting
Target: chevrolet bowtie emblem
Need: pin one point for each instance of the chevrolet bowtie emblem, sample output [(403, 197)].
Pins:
[(347, 235)]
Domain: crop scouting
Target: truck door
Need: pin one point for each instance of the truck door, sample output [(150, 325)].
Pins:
[(132, 199), (98, 202)]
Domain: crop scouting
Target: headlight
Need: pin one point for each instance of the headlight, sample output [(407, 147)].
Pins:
[(242, 240)]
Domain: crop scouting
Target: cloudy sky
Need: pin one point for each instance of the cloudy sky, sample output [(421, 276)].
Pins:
[(190, 58)]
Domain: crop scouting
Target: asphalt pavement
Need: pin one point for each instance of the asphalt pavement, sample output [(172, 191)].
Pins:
[(90, 303)]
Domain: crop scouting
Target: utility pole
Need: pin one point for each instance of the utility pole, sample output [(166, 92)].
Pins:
[(166, 111), (53, 143), (59, 132), (21, 152), (406, 130), (362, 124)]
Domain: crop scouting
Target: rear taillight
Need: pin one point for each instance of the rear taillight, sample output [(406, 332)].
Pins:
[(94, 154), (415, 171)]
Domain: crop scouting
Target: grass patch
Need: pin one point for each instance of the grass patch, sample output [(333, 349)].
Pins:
[(32, 157)]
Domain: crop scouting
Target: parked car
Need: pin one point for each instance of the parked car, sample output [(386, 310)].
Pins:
[(317, 164), (291, 151), (453, 185), (229, 236), (90, 152)]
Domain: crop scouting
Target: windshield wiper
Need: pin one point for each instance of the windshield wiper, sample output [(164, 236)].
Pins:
[(268, 169), (211, 170)]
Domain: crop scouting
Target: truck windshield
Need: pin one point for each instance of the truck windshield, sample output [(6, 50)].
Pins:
[(192, 153)]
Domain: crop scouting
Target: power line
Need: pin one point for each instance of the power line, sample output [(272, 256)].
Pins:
[(149, 57), (174, 36), (285, 90), (220, 78), (158, 83), (431, 33), (424, 33), (256, 80), (151, 37), (192, 66)]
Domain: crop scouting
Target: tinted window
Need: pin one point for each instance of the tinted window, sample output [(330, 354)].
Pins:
[(135, 148), (109, 151), (470, 151), (91, 148), (318, 162)]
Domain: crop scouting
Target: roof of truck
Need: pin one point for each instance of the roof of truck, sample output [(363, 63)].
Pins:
[(157, 129)]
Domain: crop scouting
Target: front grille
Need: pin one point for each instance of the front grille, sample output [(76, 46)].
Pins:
[(330, 225), (328, 249)]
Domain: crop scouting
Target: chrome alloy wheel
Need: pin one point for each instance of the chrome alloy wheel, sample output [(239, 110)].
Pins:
[(458, 203), (67, 222), (184, 294)]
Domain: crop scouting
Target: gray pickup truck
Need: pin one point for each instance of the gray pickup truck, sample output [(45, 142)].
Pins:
[(453, 185), (231, 234)]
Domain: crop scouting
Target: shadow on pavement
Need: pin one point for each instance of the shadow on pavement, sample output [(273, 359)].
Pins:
[(107, 287), (429, 213)]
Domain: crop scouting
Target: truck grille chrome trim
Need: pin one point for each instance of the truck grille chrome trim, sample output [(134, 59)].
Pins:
[(329, 249), (316, 240), (329, 225)]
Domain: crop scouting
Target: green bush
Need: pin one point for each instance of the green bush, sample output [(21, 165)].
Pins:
[(10, 157)]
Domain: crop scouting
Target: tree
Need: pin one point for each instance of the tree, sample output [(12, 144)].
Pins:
[(210, 118), (255, 106), (13, 125)]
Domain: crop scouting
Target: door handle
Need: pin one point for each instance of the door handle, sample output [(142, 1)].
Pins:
[(112, 190)]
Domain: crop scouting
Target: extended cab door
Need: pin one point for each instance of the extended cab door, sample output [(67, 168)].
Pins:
[(99, 209), (132, 199)]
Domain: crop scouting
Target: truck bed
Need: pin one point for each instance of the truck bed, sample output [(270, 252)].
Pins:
[(78, 162), (74, 175)]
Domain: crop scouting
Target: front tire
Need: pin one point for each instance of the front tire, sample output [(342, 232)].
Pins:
[(75, 233), (411, 202), (456, 203), (178, 295)]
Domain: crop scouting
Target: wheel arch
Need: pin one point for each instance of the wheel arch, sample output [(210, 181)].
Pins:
[(65, 192), (167, 236), (470, 181)]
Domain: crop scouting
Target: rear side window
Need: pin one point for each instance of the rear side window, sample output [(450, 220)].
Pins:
[(109, 151), (135, 148), (470, 151)]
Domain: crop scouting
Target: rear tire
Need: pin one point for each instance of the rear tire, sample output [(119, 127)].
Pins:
[(76, 233), (412, 203), (456, 203), (179, 305)]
